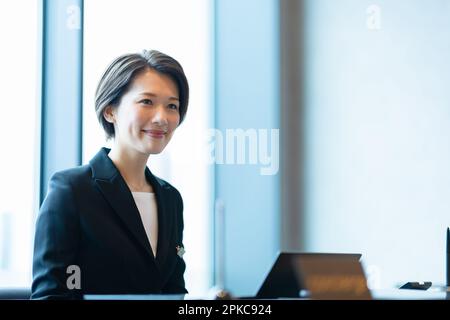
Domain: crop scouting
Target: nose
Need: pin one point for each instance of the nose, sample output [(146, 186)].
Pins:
[(160, 116)]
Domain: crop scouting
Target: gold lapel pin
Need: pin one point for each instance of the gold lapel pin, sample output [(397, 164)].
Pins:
[(180, 251)]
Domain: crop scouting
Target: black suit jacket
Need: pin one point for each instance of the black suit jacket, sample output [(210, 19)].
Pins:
[(89, 219)]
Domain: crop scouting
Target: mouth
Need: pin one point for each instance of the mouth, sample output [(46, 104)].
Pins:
[(154, 133)]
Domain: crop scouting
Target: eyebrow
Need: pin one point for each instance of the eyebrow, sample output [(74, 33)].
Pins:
[(154, 95)]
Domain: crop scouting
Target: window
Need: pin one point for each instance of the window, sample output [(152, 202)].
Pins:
[(19, 139), (180, 29)]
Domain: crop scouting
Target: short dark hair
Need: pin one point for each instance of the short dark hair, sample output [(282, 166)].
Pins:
[(123, 70)]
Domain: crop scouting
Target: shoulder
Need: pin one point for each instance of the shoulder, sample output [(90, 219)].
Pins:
[(75, 174), (64, 189), (73, 178)]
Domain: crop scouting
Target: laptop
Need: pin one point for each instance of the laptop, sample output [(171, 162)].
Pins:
[(315, 276)]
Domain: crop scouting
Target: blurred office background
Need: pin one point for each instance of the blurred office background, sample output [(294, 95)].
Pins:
[(358, 90)]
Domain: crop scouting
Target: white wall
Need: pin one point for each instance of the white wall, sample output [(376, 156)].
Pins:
[(378, 135)]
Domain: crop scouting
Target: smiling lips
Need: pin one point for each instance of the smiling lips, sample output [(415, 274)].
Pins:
[(158, 134)]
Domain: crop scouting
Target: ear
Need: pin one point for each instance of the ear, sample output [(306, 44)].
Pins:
[(109, 114)]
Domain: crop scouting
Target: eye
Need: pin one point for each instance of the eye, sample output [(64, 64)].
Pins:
[(173, 106), (146, 101)]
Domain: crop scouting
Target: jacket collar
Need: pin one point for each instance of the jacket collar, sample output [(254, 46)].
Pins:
[(115, 190)]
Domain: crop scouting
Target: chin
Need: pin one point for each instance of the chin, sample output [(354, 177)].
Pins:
[(153, 150)]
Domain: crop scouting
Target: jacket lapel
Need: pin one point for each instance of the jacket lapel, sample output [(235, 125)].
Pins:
[(116, 192)]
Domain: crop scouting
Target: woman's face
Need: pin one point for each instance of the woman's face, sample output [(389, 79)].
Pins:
[(147, 115)]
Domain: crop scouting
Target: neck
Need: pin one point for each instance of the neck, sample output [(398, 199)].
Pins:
[(131, 166)]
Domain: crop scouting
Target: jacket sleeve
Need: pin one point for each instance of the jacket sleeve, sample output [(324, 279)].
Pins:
[(176, 284), (56, 242)]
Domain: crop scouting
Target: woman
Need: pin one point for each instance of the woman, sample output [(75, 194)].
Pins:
[(112, 227)]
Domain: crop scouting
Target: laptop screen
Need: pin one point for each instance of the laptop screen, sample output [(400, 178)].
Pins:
[(316, 276)]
